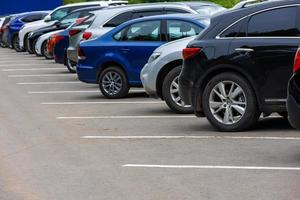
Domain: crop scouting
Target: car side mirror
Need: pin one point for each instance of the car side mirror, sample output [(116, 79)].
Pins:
[(47, 18), (57, 23)]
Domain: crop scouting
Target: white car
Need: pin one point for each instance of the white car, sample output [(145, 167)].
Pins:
[(41, 43), (57, 14)]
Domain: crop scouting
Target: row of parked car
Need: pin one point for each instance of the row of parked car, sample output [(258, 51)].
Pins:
[(228, 65)]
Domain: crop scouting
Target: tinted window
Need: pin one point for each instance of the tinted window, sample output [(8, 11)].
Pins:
[(60, 13), (147, 13), (120, 19), (32, 18), (180, 29), (237, 30), (143, 31), (275, 23), (70, 18)]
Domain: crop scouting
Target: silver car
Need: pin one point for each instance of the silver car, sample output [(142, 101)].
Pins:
[(107, 19), (160, 75)]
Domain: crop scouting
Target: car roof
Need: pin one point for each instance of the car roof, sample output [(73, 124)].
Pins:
[(189, 17), (91, 3)]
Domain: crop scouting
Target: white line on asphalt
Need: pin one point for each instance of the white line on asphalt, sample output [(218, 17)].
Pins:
[(49, 83), (33, 69), (190, 137), (128, 117), (213, 167), (63, 92), (39, 75), (24, 64), (102, 102)]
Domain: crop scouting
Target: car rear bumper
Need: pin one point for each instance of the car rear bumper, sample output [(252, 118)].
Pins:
[(87, 74), (72, 55)]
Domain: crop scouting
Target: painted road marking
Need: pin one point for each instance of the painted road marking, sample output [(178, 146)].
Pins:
[(213, 167), (127, 117), (49, 83), (204, 137), (33, 69), (102, 102)]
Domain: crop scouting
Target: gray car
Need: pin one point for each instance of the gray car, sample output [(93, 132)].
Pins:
[(107, 19), (160, 75)]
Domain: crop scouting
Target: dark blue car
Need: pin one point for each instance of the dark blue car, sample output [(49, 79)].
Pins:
[(60, 46), (16, 24), (115, 60)]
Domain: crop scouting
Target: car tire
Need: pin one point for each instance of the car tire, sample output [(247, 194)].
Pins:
[(16, 45), (170, 93), (33, 47), (229, 103), (71, 66), (44, 51), (117, 77)]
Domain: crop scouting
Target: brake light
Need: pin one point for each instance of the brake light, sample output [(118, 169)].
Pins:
[(58, 38), (80, 20), (190, 52), (86, 35), (81, 55), (73, 32), (53, 40), (297, 61)]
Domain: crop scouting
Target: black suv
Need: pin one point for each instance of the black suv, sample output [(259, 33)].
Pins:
[(239, 67), (293, 101)]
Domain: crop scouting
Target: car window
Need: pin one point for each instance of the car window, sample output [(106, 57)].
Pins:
[(280, 22), (60, 13), (143, 31), (140, 14), (70, 18), (177, 29), (120, 19), (236, 30), (32, 18)]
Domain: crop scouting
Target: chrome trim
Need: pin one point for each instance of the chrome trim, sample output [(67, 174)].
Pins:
[(257, 12), (275, 100), (244, 49)]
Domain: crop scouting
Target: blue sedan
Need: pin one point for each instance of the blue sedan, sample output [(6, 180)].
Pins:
[(115, 60)]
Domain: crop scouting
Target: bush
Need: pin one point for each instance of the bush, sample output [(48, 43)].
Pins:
[(225, 3)]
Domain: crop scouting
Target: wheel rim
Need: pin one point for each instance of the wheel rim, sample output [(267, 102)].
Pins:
[(227, 102), (71, 66), (174, 91), (16, 43), (112, 83)]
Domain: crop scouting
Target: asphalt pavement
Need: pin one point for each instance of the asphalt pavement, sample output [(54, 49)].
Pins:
[(61, 139)]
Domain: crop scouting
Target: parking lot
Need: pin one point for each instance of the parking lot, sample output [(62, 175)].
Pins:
[(60, 139)]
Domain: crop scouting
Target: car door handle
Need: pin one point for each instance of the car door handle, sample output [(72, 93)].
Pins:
[(244, 49), (124, 50)]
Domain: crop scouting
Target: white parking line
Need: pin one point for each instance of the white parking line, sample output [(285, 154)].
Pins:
[(23, 64), (49, 83), (102, 102), (63, 92), (39, 75), (213, 167), (202, 137), (33, 69), (128, 117)]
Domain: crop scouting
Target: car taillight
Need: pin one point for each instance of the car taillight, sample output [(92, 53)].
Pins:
[(297, 62), (81, 55), (190, 52), (86, 35), (73, 32)]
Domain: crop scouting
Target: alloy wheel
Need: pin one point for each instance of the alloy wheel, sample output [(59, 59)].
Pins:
[(227, 102), (112, 83), (174, 91)]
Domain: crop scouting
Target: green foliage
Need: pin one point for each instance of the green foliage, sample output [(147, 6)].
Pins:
[(225, 3)]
